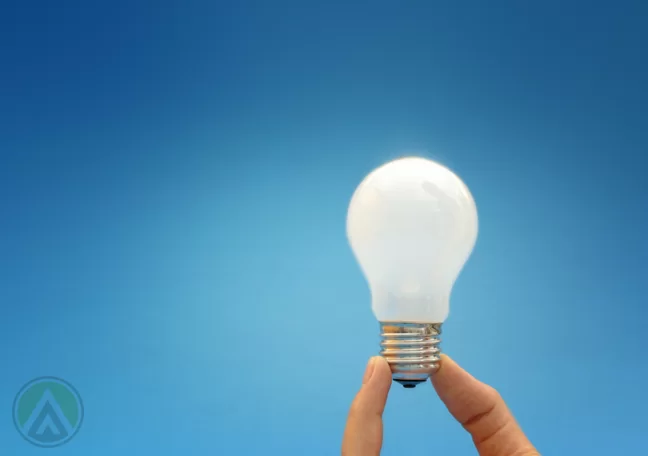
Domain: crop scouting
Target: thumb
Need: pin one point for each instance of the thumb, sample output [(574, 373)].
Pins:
[(481, 411), (363, 432)]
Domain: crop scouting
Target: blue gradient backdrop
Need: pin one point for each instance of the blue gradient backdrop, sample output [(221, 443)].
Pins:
[(174, 178)]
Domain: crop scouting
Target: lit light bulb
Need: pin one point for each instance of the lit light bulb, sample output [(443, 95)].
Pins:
[(412, 224)]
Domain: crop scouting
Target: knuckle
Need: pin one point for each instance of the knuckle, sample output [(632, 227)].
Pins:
[(356, 408), (493, 394)]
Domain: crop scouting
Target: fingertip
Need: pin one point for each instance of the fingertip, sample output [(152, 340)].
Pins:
[(448, 374), (444, 359), (369, 370), (447, 361), (381, 364), (382, 375)]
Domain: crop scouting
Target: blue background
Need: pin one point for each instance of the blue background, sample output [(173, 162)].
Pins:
[(174, 178)]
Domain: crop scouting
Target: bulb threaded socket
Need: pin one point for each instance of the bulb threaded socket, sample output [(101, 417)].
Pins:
[(411, 349)]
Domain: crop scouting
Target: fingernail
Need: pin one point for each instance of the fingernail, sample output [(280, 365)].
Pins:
[(368, 371)]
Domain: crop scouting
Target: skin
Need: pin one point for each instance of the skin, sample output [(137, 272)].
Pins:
[(476, 406)]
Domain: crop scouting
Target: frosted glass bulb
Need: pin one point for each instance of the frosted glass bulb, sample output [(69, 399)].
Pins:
[(412, 224)]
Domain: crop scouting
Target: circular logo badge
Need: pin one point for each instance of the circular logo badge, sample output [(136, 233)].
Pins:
[(48, 411)]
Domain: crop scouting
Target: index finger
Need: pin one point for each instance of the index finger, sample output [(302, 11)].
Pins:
[(363, 432)]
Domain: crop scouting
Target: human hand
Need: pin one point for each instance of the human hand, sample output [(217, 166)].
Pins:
[(476, 406)]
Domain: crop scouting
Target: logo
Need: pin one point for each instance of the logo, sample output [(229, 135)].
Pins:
[(48, 412)]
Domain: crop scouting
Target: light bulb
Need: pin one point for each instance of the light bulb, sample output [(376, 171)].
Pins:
[(412, 224)]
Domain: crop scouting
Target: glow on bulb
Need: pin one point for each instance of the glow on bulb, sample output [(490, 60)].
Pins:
[(412, 224)]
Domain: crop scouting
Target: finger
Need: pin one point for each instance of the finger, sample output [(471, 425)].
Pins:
[(481, 411), (363, 432)]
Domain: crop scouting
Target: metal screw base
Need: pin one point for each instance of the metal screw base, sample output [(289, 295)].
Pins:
[(411, 349)]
